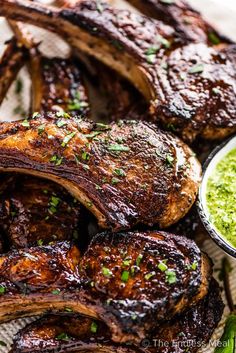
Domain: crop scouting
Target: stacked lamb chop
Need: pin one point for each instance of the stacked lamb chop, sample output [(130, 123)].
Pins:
[(132, 288)]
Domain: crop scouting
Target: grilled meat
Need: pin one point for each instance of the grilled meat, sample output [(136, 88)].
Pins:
[(125, 174), (191, 87), (36, 211), (11, 62), (79, 334), (58, 86), (188, 22), (130, 281)]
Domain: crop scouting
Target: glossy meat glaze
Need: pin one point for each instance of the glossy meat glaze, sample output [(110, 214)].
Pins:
[(125, 173)]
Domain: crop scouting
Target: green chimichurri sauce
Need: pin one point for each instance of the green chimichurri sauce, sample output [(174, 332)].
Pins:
[(221, 197)]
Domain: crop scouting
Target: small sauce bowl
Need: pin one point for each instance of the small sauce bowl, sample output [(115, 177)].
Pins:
[(209, 167)]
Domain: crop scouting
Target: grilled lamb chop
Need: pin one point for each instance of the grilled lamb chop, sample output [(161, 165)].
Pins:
[(36, 211), (130, 281), (125, 173), (11, 62), (78, 333), (191, 87), (188, 22)]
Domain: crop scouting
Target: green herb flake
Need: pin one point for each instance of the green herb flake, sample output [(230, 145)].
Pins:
[(41, 129), (164, 42), (68, 310), (94, 327), (40, 242), (162, 266), (106, 272), (127, 262), (151, 54), (56, 291), (170, 276), (25, 123), (216, 91), (196, 69), (3, 344), (63, 337), (67, 138), (118, 148), (89, 204), (35, 115), (149, 275), (85, 156), (169, 160), (213, 38), (139, 259), (119, 172), (115, 181), (2, 289), (193, 266), (61, 123), (125, 276), (55, 201)]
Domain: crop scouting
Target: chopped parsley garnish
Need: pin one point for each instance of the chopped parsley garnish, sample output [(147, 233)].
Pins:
[(193, 266), (106, 272), (94, 327), (213, 38), (93, 134), (149, 275), (139, 259), (162, 266), (125, 276), (164, 42), (76, 103), (127, 262), (85, 156), (151, 54), (35, 115), (61, 123), (40, 242), (2, 289), (115, 181), (118, 148), (57, 160), (25, 123), (56, 291), (97, 187), (3, 344), (169, 160), (170, 276), (68, 310), (216, 91), (196, 69), (41, 129), (119, 172), (54, 201), (67, 138), (63, 337), (62, 114)]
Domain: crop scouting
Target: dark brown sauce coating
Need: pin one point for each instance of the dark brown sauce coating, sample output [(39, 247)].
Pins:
[(125, 173), (55, 277), (139, 48), (78, 333), (188, 22), (36, 211), (61, 87)]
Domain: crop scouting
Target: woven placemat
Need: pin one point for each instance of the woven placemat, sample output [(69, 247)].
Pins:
[(221, 14)]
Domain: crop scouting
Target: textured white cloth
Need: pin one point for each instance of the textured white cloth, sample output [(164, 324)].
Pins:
[(221, 14)]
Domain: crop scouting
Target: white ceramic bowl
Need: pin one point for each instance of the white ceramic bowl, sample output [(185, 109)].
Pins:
[(218, 154)]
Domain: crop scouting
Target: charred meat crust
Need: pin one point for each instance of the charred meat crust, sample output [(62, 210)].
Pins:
[(128, 284), (125, 173), (36, 211), (188, 22), (11, 62), (141, 49), (58, 86), (79, 333)]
